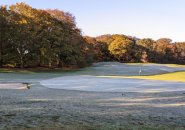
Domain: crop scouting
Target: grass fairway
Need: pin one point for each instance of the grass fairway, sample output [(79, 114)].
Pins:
[(162, 72), (167, 65), (175, 76)]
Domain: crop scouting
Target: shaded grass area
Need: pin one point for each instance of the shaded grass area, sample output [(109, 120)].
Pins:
[(32, 75), (36, 70)]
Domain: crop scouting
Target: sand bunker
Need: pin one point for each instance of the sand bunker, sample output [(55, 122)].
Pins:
[(13, 86)]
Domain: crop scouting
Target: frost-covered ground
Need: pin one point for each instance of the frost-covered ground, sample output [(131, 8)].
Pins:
[(98, 84), (127, 104), (89, 80), (122, 69), (41, 108)]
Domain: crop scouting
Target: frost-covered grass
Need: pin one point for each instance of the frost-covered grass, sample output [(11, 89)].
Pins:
[(124, 69), (116, 77), (105, 127), (97, 69), (31, 75), (43, 108), (49, 109)]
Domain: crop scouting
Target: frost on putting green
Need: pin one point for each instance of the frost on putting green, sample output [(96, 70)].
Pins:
[(101, 77), (105, 77)]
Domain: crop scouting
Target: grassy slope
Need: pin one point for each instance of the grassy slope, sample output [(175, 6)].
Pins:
[(175, 76)]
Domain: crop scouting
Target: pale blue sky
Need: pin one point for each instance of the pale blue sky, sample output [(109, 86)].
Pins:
[(141, 18)]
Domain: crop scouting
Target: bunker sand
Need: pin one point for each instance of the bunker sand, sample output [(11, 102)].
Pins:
[(18, 86)]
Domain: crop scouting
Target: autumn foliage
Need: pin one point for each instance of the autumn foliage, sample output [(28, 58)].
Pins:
[(32, 37)]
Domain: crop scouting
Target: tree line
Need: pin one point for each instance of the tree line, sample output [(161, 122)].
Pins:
[(123, 48), (32, 37)]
